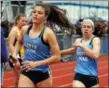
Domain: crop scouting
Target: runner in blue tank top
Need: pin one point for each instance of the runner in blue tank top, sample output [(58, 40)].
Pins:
[(40, 45), (87, 51)]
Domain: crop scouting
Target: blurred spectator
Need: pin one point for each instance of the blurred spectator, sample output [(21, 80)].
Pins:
[(78, 27), (101, 28), (4, 56), (5, 27)]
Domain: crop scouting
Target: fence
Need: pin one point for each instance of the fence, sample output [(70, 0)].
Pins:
[(104, 45)]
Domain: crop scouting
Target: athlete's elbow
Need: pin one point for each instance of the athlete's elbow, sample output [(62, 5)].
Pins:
[(96, 56), (58, 58)]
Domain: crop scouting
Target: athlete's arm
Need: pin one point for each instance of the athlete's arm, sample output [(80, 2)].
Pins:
[(69, 51), (50, 37), (95, 52), (11, 39), (20, 41)]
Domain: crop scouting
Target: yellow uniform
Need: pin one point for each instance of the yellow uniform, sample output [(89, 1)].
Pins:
[(22, 48)]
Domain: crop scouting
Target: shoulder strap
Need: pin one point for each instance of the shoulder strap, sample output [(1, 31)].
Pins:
[(42, 32), (92, 40), (81, 40), (41, 36), (29, 28)]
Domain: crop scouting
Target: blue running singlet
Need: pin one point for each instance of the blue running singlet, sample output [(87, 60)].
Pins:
[(36, 49), (85, 64)]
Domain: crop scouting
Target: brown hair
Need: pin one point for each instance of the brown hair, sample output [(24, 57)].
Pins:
[(56, 16), (18, 18)]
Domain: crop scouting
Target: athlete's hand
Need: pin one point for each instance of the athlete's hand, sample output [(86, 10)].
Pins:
[(28, 65), (12, 59), (78, 44), (17, 64)]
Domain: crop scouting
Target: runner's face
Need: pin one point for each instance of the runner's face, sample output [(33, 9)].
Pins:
[(87, 28), (38, 15), (22, 21)]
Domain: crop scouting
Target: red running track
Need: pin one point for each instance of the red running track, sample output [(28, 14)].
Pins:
[(63, 74)]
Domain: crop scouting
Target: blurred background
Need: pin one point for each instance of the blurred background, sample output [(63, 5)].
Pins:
[(74, 9)]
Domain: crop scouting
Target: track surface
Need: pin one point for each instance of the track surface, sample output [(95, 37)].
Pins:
[(63, 74)]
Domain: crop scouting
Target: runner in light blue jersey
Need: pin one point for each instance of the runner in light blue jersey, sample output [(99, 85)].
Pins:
[(87, 51), (36, 49), (40, 45), (85, 64)]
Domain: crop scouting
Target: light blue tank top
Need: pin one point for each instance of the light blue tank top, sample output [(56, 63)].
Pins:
[(36, 49), (85, 64)]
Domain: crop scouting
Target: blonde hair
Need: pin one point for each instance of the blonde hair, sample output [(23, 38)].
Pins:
[(18, 18), (90, 21)]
